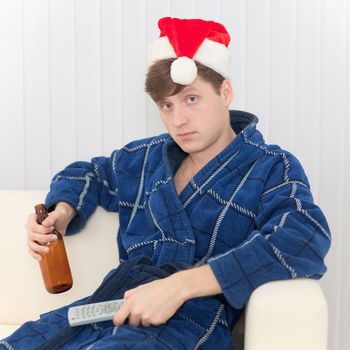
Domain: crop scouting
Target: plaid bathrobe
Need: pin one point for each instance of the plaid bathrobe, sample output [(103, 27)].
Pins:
[(248, 213)]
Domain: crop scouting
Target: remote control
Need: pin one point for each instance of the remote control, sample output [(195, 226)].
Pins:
[(91, 313)]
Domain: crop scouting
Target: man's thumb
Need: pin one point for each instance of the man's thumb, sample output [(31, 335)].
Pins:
[(50, 220)]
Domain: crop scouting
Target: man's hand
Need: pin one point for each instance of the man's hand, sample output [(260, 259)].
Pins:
[(38, 235), (150, 304), (155, 302)]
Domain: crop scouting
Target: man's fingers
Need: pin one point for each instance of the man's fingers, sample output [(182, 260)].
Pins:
[(50, 220), (128, 293), (145, 323), (33, 226), (38, 242), (122, 314), (34, 255), (134, 320), (37, 248), (38, 236), (44, 239)]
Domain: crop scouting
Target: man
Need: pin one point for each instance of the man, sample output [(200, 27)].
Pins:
[(208, 212)]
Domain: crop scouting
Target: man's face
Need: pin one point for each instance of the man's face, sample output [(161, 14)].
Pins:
[(197, 117)]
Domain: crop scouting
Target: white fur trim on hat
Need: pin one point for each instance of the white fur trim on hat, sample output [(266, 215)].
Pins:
[(160, 49), (212, 54), (215, 56)]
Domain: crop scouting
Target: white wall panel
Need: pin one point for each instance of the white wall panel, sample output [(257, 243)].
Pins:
[(331, 166), (282, 73), (36, 93), (155, 9), (111, 37), (12, 132), (88, 77), (134, 68), (72, 87), (343, 315), (183, 8), (307, 88), (63, 118), (208, 10), (233, 14), (257, 62)]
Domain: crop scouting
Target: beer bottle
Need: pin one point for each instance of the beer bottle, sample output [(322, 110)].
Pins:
[(54, 264)]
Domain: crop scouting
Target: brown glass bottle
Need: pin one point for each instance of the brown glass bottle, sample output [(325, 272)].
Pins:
[(54, 265)]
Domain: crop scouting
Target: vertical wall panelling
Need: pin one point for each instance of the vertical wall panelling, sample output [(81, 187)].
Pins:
[(72, 86), (208, 9), (154, 10), (307, 89), (111, 74), (344, 313), (233, 14), (62, 85), (88, 78), (257, 64), (183, 8), (36, 93), (134, 69), (332, 122), (12, 132), (282, 73)]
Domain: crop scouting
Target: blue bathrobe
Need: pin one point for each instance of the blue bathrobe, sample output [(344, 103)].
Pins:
[(248, 213)]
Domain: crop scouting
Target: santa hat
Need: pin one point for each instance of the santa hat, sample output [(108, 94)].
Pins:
[(188, 40)]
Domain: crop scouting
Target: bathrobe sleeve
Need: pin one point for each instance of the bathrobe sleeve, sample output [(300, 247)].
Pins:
[(84, 185), (290, 237)]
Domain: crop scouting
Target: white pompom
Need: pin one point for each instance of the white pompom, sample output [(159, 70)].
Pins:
[(183, 71)]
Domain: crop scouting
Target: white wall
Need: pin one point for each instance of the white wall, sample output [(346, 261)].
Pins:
[(71, 87)]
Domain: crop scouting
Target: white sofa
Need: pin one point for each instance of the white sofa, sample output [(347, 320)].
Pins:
[(279, 315)]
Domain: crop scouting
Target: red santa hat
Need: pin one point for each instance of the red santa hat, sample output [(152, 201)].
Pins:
[(190, 40)]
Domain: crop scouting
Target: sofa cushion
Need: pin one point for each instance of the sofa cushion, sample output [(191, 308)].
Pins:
[(7, 329)]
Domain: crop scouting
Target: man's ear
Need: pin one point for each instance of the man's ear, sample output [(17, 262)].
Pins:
[(226, 92)]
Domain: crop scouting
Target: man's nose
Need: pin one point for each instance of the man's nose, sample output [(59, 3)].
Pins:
[(179, 116)]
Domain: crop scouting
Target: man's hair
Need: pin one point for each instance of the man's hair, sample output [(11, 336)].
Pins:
[(159, 84)]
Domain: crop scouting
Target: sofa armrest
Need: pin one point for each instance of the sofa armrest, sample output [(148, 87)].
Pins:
[(92, 253), (287, 315)]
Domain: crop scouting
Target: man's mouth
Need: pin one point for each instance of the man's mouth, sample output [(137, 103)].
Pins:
[(186, 135)]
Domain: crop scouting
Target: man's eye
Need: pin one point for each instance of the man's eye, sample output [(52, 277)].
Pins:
[(166, 106), (191, 99)]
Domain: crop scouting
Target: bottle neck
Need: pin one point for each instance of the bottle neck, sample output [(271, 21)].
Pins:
[(41, 215)]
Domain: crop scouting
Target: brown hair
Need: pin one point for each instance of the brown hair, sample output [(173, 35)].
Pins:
[(159, 84)]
